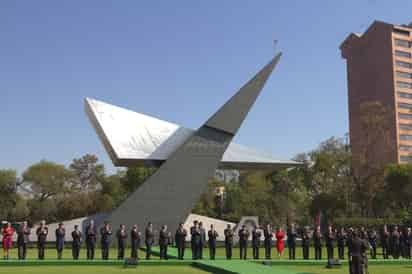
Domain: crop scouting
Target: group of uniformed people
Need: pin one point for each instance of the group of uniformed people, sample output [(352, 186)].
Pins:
[(395, 242)]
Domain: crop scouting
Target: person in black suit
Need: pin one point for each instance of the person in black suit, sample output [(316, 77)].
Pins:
[(373, 239), (385, 242), (228, 241), (305, 244), (291, 240), (340, 240), (135, 236), (193, 243), (317, 242), (23, 234), (76, 243), (409, 237), (256, 234), (105, 240), (149, 240), (357, 251), (91, 237), (180, 239), (41, 233), (212, 234), (395, 235), (268, 234), (163, 242), (243, 239), (121, 236), (60, 235), (330, 242), (202, 240)]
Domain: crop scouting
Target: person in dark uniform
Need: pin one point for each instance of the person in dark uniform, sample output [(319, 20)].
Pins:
[(202, 240), (268, 235), (121, 236), (23, 234), (256, 234), (349, 237), (291, 241), (243, 239), (385, 242), (60, 235), (180, 239), (212, 237), (135, 237), (105, 240), (373, 240), (341, 240), (91, 238), (395, 243), (163, 242), (149, 240), (305, 244), (409, 246), (317, 243), (76, 242), (41, 233), (228, 241), (357, 251), (193, 240), (330, 242)]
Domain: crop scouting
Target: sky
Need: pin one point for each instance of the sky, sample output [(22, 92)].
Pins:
[(178, 61)]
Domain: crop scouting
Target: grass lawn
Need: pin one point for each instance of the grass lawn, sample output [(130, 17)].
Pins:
[(373, 269), (100, 269)]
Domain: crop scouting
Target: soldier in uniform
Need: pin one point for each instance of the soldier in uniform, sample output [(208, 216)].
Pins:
[(228, 241), (409, 237), (212, 235), (291, 241), (202, 240), (341, 239), (91, 237), (243, 239), (330, 242), (121, 236), (41, 233), (180, 238), (403, 243), (317, 243), (163, 242), (135, 237), (256, 234), (357, 251), (385, 242), (268, 235), (23, 234), (60, 235), (193, 244), (76, 242), (373, 239), (149, 240), (395, 243), (105, 240), (305, 244)]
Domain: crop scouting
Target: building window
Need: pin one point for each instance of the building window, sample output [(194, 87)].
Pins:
[(404, 74), (401, 84), (402, 54), (402, 43), (405, 126), (405, 116), (405, 106), (405, 95), (405, 137), (401, 32), (403, 64), (405, 148), (406, 159)]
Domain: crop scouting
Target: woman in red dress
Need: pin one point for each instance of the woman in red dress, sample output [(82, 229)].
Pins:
[(7, 232), (280, 241)]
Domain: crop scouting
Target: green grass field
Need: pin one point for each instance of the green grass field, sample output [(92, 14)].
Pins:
[(373, 269)]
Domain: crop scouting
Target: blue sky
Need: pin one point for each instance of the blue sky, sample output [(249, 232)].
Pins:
[(176, 60)]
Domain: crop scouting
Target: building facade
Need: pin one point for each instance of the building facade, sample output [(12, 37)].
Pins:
[(379, 70)]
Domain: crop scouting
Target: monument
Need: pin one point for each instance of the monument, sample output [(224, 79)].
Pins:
[(186, 158)]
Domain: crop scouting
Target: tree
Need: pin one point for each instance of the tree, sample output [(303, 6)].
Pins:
[(88, 174), (8, 193), (135, 177), (398, 189)]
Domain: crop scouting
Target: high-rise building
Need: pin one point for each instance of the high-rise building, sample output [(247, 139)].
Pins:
[(379, 70)]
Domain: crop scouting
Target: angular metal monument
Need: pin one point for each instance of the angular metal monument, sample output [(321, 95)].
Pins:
[(186, 158)]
